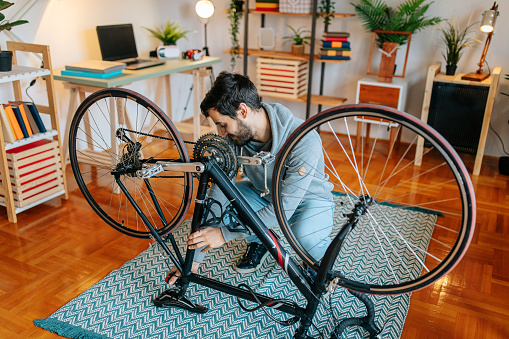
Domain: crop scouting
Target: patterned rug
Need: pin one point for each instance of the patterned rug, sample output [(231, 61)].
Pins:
[(119, 306)]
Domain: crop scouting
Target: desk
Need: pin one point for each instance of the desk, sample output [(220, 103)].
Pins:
[(80, 85), (458, 119)]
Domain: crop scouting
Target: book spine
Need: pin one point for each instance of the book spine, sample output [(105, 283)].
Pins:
[(35, 114), (90, 74), (326, 38), (21, 108), (18, 134), (335, 53), (6, 126), (336, 44), (31, 120), (335, 49), (334, 57), (19, 118)]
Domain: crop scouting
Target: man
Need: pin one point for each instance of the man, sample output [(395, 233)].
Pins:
[(235, 107)]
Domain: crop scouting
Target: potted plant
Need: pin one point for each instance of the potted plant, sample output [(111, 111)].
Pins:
[(455, 40), (327, 11), (407, 17), (234, 16), (168, 34), (6, 56), (298, 39)]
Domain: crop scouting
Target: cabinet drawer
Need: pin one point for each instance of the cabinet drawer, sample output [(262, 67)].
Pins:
[(387, 96)]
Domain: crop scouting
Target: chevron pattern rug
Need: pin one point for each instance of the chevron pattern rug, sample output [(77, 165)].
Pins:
[(119, 306)]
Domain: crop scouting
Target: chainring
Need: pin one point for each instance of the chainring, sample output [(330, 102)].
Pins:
[(213, 145)]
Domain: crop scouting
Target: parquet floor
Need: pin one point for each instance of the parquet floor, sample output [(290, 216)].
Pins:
[(59, 249)]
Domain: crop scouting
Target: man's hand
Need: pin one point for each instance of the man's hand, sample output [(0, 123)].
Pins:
[(173, 274), (209, 237)]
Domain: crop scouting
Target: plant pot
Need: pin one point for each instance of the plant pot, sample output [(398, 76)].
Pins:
[(450, 69), (387, 63), (5, 61), (297, 49), (168, 52), (238, 5)]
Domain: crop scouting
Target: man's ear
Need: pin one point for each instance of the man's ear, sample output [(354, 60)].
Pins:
[(243, 111)]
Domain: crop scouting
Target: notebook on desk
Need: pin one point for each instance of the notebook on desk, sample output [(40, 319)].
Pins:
[(117, 44)]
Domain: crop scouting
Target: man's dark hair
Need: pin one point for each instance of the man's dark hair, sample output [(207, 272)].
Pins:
[(228, 92)]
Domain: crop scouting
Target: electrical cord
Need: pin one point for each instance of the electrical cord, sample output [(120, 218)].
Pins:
[(499, 138)]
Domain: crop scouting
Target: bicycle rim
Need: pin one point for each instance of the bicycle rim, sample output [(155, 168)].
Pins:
[(117, 132), (415, 222)]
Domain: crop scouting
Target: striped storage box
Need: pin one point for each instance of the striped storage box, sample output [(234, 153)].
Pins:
[(295, 6), (282, 78), (35, 172)]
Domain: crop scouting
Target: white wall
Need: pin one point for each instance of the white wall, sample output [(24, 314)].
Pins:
[(68, 26)]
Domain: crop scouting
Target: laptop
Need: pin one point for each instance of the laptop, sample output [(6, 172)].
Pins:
[(117, 44)]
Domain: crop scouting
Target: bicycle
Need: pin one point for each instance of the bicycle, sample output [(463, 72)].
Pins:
[(134, 170)]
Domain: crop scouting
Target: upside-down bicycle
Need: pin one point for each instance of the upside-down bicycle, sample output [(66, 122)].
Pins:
[(134, 169)]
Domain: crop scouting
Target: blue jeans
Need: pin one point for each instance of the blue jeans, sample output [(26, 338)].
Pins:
[(311, 223)]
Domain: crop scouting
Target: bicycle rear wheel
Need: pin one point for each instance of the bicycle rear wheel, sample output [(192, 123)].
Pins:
[(409, 224), (117, 133)]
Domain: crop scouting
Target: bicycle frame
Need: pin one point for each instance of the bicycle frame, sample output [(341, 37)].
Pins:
[(211, 170)]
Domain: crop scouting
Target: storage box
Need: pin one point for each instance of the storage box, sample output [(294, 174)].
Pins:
[(35, 172), (282, 78), (295, 6)]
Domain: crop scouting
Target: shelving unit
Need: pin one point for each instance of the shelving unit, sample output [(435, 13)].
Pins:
[(310, 98), (33, 165)]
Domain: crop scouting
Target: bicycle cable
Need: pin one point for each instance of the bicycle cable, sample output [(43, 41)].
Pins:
[(262, 305)]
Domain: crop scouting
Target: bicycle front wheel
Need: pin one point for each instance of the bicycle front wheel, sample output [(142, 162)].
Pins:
[(405, 225), (119, 134)]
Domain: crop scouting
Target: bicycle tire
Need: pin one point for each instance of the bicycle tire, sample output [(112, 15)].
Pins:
[(116, 132), (378, 255)]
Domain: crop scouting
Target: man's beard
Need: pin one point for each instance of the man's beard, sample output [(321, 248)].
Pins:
[(244, 136)]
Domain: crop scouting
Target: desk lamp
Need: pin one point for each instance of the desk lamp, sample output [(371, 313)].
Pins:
[(205, 10), (487, 25)]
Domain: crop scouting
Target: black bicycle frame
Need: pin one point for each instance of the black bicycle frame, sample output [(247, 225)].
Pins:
[(268, 238)]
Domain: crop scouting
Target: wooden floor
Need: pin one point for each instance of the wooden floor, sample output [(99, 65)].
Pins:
[(59, 249)]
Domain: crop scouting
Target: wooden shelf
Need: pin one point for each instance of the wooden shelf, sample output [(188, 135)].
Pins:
[(21, 72), (39, 163), (282, 55), (315, 99), (31, 139), (255, 11)]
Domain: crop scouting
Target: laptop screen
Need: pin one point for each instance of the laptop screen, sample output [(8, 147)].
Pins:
[(117, 42)]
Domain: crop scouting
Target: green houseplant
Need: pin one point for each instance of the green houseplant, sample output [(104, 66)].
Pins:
[(326, 8), (6, 56), (169, 33), (408, 17), (298, 39), (234, 16), (455, 40)]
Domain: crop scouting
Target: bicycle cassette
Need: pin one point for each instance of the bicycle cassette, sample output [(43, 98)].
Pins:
[(213, 145)]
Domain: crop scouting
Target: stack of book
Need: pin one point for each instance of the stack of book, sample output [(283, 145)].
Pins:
[(335, 46), (20, 120), (267, 5), (94, 69)]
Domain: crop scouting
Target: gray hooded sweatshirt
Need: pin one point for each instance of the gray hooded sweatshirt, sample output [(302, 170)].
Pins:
[(304, 176)]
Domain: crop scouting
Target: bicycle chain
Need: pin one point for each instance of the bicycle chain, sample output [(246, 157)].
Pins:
[(155, 136)]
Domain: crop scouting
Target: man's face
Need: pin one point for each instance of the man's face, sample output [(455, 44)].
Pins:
[(237, 129)]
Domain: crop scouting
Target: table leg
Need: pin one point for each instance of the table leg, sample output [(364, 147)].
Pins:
[(70, 114)]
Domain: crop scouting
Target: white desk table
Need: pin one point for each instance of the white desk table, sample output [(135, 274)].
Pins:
[(81, 85)]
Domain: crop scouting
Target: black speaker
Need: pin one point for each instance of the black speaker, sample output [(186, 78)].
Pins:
[(503, 165)]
